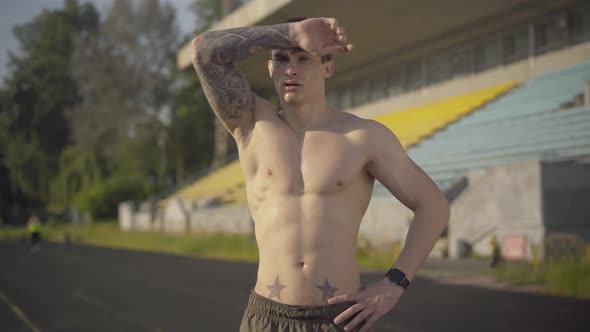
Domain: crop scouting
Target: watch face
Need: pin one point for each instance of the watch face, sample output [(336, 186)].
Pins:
[(397, 275)]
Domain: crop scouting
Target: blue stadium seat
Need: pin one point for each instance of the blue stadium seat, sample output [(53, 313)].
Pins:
[(524, 124)]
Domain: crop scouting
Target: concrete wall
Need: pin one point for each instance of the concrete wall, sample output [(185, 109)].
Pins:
[(143, 221), (500, 201), (126, 215), (182, 215), (228, 219), (385, 221), (517, 199), (176, 216)]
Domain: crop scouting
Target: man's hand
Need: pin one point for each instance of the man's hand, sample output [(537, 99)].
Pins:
[(372, 303), (321, 36)]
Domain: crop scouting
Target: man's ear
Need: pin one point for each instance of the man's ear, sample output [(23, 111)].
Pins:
[(329, 69), (270, 72)]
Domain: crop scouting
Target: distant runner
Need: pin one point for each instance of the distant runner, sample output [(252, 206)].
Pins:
[(34, 227)]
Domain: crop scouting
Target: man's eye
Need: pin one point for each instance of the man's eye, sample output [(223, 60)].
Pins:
[(280, 59), (303, 59)]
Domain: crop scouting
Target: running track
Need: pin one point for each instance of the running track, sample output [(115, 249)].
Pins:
[(84, 288)]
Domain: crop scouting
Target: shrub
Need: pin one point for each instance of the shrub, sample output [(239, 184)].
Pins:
[(102, 199)]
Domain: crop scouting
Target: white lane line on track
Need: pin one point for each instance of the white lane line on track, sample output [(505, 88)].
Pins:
[(18, 312)]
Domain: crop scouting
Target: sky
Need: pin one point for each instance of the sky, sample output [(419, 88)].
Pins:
[(17, 12)]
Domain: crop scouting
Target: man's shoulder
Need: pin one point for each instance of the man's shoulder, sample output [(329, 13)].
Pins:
[(357, 129), (370, 133), (362, 125)]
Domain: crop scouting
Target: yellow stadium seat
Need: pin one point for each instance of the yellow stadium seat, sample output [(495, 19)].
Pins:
[(414, 124), (410, 125)]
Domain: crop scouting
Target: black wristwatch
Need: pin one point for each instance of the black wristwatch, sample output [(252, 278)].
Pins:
[(398, 277)]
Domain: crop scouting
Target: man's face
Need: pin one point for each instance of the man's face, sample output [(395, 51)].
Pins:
[(298, 76)]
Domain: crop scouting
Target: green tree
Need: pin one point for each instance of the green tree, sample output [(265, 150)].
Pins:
[(190, 134), (129, 78), (127, 92), (34, 98), (189, 137), (207, 13), (80, 168)]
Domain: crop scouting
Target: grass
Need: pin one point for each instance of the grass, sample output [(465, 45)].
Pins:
[(211, 245), (218, 245), (568, 276), (379, 258)]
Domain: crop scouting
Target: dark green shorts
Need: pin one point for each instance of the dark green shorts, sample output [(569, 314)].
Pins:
[(264, 314)]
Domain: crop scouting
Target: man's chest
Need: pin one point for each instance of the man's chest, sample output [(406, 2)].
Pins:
[(318, 162)]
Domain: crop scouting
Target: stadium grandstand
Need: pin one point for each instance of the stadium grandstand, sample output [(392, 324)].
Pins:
[(491, 98)]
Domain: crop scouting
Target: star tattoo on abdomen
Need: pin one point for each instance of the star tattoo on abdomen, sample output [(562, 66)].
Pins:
[(275, 289), (327, 289)]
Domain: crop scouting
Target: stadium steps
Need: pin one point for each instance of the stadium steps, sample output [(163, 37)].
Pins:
[(417, 123), (411, 125), (522, 125), (225, 183)]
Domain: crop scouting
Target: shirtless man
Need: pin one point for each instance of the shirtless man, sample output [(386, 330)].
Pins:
[(309, 172)]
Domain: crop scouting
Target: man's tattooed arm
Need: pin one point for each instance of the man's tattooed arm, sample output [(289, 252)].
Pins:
[(225, 86)]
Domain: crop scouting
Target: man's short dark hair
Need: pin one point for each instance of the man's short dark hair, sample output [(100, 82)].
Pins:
[(324, 58)]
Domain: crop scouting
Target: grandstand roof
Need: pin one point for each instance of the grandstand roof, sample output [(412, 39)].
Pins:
[(382, 31)]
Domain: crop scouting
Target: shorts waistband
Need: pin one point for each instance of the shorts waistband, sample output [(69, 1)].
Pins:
[(324, 313)]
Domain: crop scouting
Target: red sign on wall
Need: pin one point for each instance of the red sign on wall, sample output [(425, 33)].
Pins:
[(514, 247)]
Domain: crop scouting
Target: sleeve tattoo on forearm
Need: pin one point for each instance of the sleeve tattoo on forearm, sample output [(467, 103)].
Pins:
[(224, 84)]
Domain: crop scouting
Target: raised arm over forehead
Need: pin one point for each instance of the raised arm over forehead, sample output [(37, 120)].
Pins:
[(226, 87), (224, 84)]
